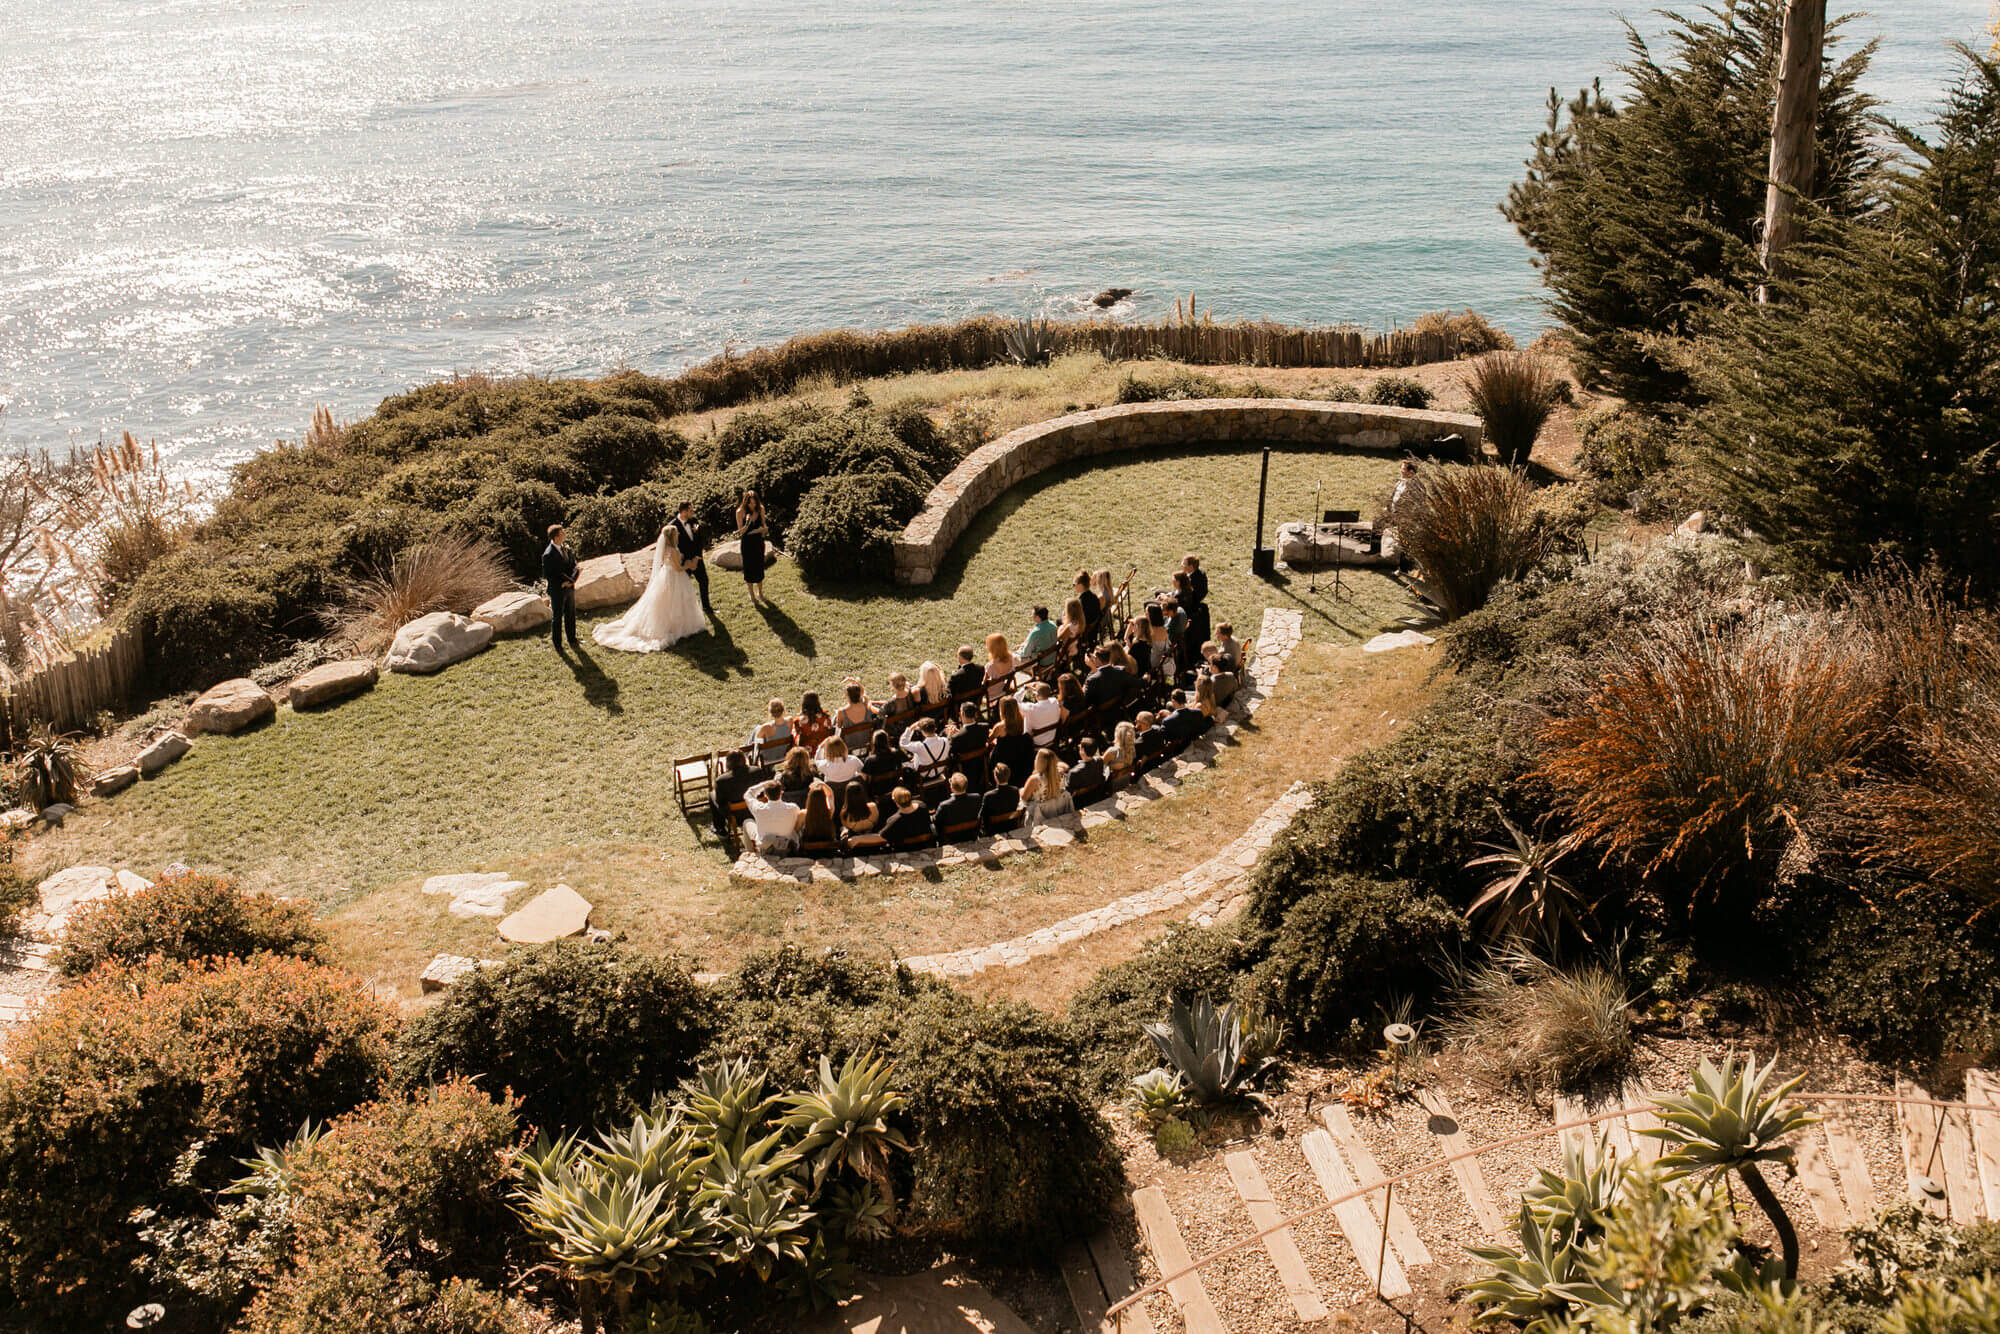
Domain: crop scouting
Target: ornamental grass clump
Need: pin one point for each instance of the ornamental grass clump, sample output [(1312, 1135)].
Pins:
[(1469, 528), (449, 573), (1514, 392), (1531, 1025)]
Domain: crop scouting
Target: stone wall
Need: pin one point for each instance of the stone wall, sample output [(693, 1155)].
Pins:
[(992, 468)]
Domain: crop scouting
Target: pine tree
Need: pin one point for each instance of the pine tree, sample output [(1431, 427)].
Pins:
[(1859, 417), (1635, 207)]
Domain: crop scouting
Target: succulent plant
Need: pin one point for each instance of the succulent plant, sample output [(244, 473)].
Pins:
[(1207, 1049), (1157, 1095), (845, 1122), (1031, 342), (726, 1103), (1573, 1203), (276, 1171)]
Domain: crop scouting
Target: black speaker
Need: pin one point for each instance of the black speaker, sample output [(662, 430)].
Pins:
[(1264, 562)]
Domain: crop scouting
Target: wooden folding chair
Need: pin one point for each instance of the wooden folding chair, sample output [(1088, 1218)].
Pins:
[(694, 783), (954, 833), (1007, 823)]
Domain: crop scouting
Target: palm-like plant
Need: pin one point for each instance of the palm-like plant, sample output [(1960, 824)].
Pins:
[(1526, 889), (49, 769), (845, 1122), (1206, 1047), (1031, 342), (1730, 1120)]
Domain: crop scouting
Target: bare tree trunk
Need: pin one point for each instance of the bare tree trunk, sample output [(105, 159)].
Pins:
[(1794, 120), (1767, 1200)]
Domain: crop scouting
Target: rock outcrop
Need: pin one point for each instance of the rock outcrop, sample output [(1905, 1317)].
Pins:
[(513, 613), (331, 681), (230, 707), (434, 642)]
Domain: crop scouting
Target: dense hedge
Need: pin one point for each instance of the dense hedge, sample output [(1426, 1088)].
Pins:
[(188, 917), (1105, 1016), (849, 523)]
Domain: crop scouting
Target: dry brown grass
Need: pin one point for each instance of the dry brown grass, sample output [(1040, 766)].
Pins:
[(1515, 392), (1527, 1024), (1468, 528), (450, 573)]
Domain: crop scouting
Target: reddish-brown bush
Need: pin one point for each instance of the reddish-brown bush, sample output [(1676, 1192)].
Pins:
[(188, 917)]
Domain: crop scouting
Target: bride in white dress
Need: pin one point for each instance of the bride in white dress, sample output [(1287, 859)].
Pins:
[(668, 611)]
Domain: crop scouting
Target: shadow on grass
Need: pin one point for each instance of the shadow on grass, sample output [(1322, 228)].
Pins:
[(599, 690), (714, 654), (1316, 599), (790, 633)]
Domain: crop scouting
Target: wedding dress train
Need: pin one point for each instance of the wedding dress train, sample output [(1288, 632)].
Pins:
[(667, 612)]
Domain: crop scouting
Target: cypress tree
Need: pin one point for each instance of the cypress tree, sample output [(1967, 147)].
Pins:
[(1635, 208)]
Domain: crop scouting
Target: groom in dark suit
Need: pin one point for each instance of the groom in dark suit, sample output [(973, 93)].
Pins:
[(690, 549), (559, 571)]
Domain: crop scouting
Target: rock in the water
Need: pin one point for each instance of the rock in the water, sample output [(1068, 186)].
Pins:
[(53, 814), (230, 707), (476, 894), (729, 555), (1401, 639), (513, 613), (331, 681), (550, 915), (163, 752), (113, 781), (434, 642), (1110, 297), (603, 581)]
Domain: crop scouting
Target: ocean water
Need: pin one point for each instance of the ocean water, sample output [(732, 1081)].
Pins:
[(216, 213)]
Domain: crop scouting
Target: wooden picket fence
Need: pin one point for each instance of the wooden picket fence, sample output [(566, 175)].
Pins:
[(68, 695)]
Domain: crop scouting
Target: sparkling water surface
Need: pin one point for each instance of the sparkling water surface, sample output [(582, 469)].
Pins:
[(216, 213)]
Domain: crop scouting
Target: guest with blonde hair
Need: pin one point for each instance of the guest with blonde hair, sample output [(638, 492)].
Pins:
[(932, 692), (1043, 793)]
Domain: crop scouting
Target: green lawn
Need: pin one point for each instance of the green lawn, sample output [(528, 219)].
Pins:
[(515, 760)]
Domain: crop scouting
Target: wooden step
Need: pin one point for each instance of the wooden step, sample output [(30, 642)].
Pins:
[(1097, 1274), (1281, 1246), (1569, 1109), (1471, 1181), (1410, 1248), (1816, 1174), (1639, 1105), (1982, 1088), (1163, 1239), (1356, 1222), (1920, 1130), (1855, 1182)]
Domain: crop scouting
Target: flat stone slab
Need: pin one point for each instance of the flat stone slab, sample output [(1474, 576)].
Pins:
[(476, 893), (113, 781), (163, 752), (514, 613), (446, 970), (604, 581), (551, 915), (331, 681), (434, 642), (1401, 639), (230, 707)]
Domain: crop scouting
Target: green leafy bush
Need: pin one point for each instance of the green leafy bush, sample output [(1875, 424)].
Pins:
[(18, 894), (1397, 391), (1105, 1017), (188, 917), (1619, 449), (618, 452), (112, 1079), (749, 431), (849, 522), (578, 1032), (1347, 951), (1176, 386), (515, 516), (349, 1285), (626, 521)]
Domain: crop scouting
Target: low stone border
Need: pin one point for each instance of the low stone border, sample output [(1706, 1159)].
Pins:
[(989, 470), (1276, 639), (1220, 878)]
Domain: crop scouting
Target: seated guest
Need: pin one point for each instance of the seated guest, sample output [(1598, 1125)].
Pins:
[(857, 813), (969, 677), (814, 724), (1009, 742), (1107, 596), (1044, 713), (1228, 653), (909, 824), (796, 774), (1087, 775), (968, 739), (1162, 663), (1074, 630), (1116, 656), (1222, 679), (836, 765), (775, 820), (1041, 636), (1001, 800), (902, 702), (1139, 643), (818, 827), (1093, 605), (1069, 696), (1043, 793), (1149, 739), (960, 808), (882, 758), (736, 780), (773, 737), (1205, 697), (1183, 722), (1000, 665), (1108, 683), (933, 691), (1121, 759), (857, 712), (923, 745)]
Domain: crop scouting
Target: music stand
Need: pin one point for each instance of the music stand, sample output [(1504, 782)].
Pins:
[(1342, 518)]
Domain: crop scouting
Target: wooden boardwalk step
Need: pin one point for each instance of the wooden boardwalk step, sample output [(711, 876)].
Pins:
[(1097, 1274), (1356, 1222), (1855, 1182), (1281, 1246), (1982, 1087), (1163, 1239), (1569, 1109), (1920, 1130), (1403, 1236), (1471, 1181), (1816, 1174), (1086, 1290)]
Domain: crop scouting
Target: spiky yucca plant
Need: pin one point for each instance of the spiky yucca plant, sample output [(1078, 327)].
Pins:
[(1526, 889), (1031, 342), (1206, 1047), (276, 1171), (49, 769), (1730, 1120), (845, 1122), (726, 1103)]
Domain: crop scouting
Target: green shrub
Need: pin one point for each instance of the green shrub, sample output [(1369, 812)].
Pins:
[(1171, 387), (749, 431), (1105, 1016), (1344, 392), (784, 471), (578, 1032), (112, 1079), (626, 521), (515, 516), (1397, 391), (617, 452), (201, 618), (1619, 448), (911, 423), (1346, 952), (848, 524), (439, 482), (348, 1285), (188, 917)]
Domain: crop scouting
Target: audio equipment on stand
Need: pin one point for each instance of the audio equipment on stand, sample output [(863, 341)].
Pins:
[(1341, 521)]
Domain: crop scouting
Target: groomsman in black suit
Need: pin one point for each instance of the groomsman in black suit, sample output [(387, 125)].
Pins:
[(559, 572), (690, 549)]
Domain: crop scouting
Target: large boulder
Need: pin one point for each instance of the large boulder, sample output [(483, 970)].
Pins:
[(230, 707), (163, 753), (638, 568), (113, 781), (331, 681), (434, 642), (604, 581), (729, 555), (513, 613)]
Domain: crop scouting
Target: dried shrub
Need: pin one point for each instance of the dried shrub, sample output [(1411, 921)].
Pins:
[(1397, 391), (1533, 1026), (185, 918), (349, 1285), (449, 573), (1514, 392), (1471, 331), (1469, 528), (1700, 748)]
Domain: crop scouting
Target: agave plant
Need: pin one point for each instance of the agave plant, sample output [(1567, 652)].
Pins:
[(1526, 889), (664, 1318), (1526, 1284), (276, 1171), (1031, 342), (1157, 1095), (1730, 1120), (856, 1211), (1206, 1048), (845, 1122), (49, 769), (726, 1104), (764, 1225), (1574, 1203)]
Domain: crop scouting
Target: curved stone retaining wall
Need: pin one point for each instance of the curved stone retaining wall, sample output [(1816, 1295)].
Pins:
[(992, 468)]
